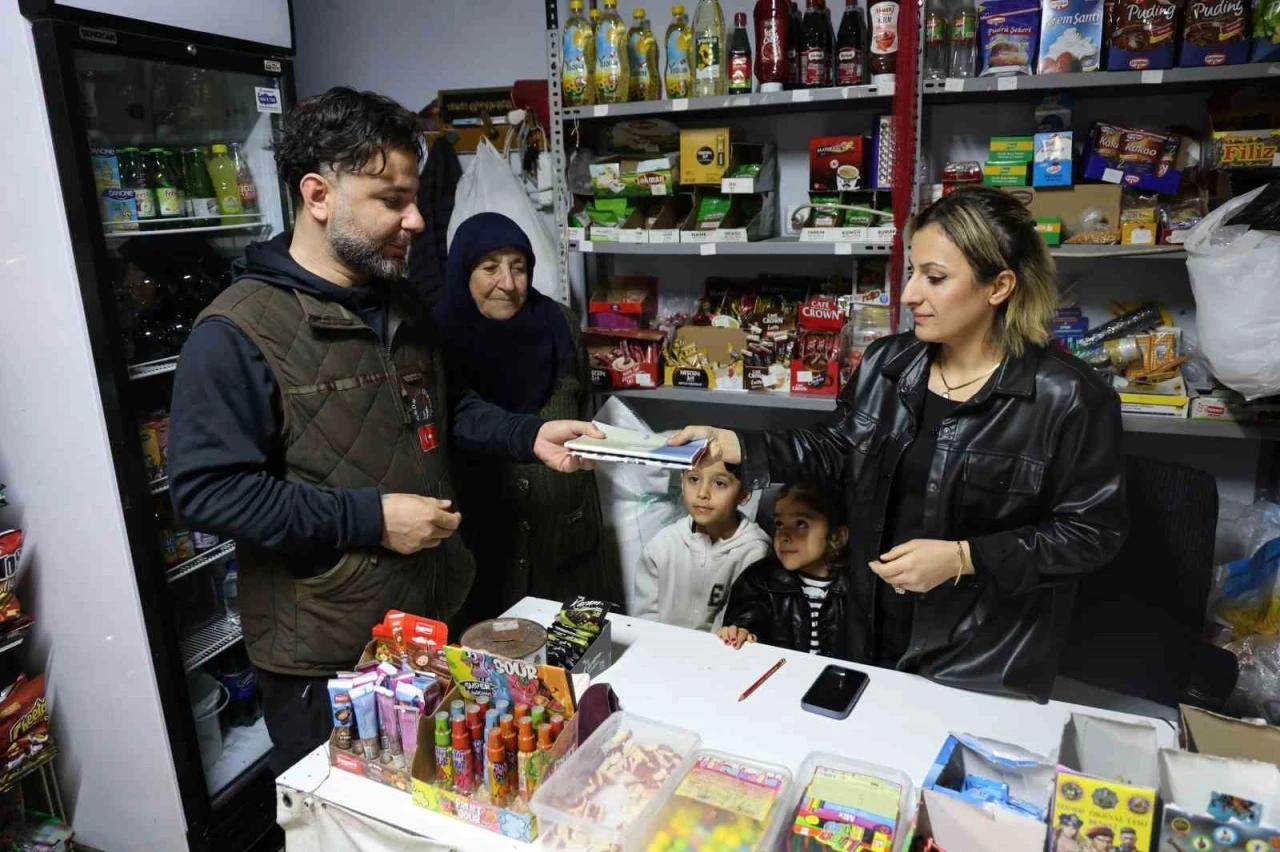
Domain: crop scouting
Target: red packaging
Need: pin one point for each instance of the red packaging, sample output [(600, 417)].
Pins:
[(836, 163), (624, 358), (815, 369), (628, 301), (24, 724), (10, 555)]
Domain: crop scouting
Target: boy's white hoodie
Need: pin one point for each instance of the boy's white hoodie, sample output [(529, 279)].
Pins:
[(684, 579)]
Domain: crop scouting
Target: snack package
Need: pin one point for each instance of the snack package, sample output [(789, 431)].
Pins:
[(1216, 33), (24, 724), (1266, 31), (771, 337), (477, 673), (836, 163), (10, 556), (711, 211), (1008, 33), (1134, 158), (1142, 34), (816, 366), (957, 174), (576, 626), (624, 358), (1071, 36)]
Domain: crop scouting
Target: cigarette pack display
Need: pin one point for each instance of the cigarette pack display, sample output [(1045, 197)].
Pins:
[(624, 358), (1071, 36)]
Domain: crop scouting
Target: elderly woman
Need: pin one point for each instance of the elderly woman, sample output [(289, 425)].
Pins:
[(982, 468), (532, 531)]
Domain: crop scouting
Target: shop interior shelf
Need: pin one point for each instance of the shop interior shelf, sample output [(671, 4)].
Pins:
[(253, 221), (148, 369), (241, 749), (10, 644), (1085, 252), (1169, 77), (159, 486), (202, 560), (772, 246), (208, 640), (1140, 423), (799, 99)]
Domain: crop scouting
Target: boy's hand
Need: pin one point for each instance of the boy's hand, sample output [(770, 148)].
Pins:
[(735, 636)]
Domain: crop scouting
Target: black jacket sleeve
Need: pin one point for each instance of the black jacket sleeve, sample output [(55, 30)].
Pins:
[(1087, 519), (225, 472), (750, 604), (814, 456), (482, 427)]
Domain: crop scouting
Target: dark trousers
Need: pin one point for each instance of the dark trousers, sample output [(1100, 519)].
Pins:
[(297, 713)]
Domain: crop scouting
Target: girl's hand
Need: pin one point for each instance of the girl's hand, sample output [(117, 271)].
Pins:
[(722, 444), (735, 636), (921, 565)]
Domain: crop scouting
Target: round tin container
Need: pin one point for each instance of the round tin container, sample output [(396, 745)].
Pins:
[(513, 638)]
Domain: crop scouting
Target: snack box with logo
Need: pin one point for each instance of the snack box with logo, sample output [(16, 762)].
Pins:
[(704, 155), (1071, 36), (704, 356), (1216, 33), (616, 176), (1106, 784), (1218, 804), (1050, 228), (624, 357), (1052, 166), (836, 163), (1004, 174), (1143, 34), (625, 301), (1246, 149), (815, 368), (1011, 149), (1135, 159)]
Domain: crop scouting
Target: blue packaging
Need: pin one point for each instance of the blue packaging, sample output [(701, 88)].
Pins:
[(1052, 164), (1070, 36), (1008, 33), (1266, 32), (1216, 33), (1143, 34), (120, 210)]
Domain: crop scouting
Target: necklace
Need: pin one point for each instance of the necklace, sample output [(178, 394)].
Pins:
[(949, 388)]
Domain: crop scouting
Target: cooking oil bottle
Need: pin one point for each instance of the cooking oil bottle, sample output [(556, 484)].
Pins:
[(576, 71), (710, 53), (612, 69), (642, 54), (594, 17), (679, 38)]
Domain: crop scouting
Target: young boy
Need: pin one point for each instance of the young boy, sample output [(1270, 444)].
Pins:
[(796, 598), (688, 567)]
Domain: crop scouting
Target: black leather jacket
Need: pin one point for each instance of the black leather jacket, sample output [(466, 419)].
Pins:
[(1030, 471), (769, 601)]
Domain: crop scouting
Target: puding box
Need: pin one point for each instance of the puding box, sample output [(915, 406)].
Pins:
[(1143, 34), (1071, 36), (836, 163), (1106, 784), (1216, 32), (704, 155), (1052, 166)]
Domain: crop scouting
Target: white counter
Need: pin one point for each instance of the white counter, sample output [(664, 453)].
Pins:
[(692, 680)]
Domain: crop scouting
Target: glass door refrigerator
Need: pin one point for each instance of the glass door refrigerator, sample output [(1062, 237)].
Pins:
[(162, 139)]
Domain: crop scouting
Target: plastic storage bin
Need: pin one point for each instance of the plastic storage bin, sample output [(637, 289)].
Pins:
[(722, 803), (614, 782), (783, 832)]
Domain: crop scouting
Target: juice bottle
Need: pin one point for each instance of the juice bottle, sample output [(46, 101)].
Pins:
[(594, 18), (135, 174), (851, 47), (884, 41), (815, 48), (679, 38), (576, 71), (170, 200), (740, 57), (612, 68), (709, 50), (244, 180), (201, 201), (773, 29), (222, 171), (642, 55)]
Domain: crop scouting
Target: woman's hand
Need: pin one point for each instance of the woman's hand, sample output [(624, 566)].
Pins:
[(735, 636), (921, 565), (722, 444)]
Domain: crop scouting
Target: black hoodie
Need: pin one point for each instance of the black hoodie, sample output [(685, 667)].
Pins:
[(226, 462)]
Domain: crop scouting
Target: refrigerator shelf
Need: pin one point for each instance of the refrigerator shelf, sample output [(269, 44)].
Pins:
[(258, 223), (147, 369), (207, 641), (195, 563), (241, 749), (159, 486)]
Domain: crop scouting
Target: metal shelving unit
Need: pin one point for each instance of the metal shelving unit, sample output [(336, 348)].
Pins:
[(209, 639), (203, 560), (1168, 78), (1085, 252), (255, 221), (148, 369), (772, 246), (809, 100)]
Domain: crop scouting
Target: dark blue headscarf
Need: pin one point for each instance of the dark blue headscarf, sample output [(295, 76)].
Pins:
[(513, 363)]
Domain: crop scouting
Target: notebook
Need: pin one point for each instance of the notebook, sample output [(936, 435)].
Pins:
[(627, 446)]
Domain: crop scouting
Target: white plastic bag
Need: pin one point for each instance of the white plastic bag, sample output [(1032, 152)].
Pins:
[(1233, 278), (488, 186)]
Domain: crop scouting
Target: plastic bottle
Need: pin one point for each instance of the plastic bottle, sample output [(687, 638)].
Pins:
[(231, 593), (612, 69), (642, 55), (201, 200), (935, 40), (815, 48), (171, 202), (222, 172), (679, 82), (884, 41), (576, 81), (593, 18), (740, 57), (964, 39), (851, 47), (135, 175), (244, 180), (709, 77), (773, 29), (793, 47)]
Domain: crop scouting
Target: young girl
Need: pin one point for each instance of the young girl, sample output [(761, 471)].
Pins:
[(796, 598)]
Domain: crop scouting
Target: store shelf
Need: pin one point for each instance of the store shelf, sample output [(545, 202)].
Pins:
[(203, 560), (1085, 252), (207, 641), (772, 246), (159, 486), (798, 100), (257, 221), (241, 749), (10, 644), (1155, 424), (1169, 77), (147, 369)]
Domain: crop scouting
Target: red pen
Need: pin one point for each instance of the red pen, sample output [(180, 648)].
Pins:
[(760, 680)]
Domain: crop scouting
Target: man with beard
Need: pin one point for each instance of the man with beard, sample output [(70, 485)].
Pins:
[(310, 419)]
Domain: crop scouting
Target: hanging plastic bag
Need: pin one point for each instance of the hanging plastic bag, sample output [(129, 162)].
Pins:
[(1247, 597), (488, 186), (1234, 270)]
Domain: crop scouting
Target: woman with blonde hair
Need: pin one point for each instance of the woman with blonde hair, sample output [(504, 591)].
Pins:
[(982, 468)]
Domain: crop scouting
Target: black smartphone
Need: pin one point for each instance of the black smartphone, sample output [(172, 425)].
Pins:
[(835, 692)]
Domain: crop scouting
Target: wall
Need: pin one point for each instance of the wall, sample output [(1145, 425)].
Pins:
[(114, 766)]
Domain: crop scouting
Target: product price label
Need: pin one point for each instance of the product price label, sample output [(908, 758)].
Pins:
[(884, 27), (707, 57)]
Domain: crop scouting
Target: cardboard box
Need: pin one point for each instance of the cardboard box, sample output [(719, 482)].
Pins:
[(957, 826), (617, 176), (712, 358), (704, 155), (621, 358), (625, 301), (1209, 733), (1050, 228), (1230, 406), (1004, 174), (1068, 203), (1011, 149), (1106, 783), (1100, 168), (836, 163), (1138, 227), (815, 369), (750, 218), (1052, 165), (598, 656), (751, 154), (1219, 804)]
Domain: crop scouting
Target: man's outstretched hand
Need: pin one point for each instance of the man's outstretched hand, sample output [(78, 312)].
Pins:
[(549, 445)]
